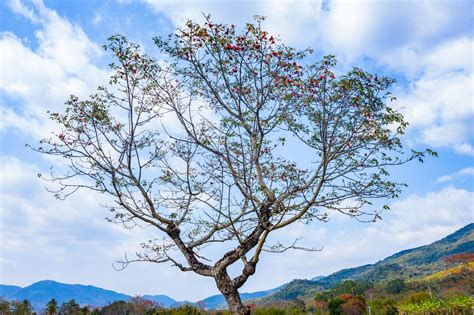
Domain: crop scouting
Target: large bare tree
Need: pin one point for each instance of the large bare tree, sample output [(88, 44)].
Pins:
[(229, 137)]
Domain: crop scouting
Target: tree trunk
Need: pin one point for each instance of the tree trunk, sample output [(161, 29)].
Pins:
[(236, 307), (231, 294)]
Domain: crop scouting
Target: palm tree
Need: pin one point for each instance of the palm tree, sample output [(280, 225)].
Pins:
[(52, 307)]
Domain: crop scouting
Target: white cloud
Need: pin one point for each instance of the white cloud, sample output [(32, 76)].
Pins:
[(438, 102), (374, 28), (464, 148), (348, 28), (97, 18), (428, 42), (70, 241), (43, 78), (465, 172), (20, 8), (295, 21), (422, 40)]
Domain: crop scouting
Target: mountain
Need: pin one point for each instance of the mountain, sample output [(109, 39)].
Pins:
[(8, 290), (408, 264), (317, 278), (413, 263), (41, 292)]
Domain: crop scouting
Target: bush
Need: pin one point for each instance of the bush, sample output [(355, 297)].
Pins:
[(348, 287), (418, 297), (334, 306), (385, 306), (395, 286), (354, 306)]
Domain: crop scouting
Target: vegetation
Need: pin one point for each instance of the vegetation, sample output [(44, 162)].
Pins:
[(395, 286), (52, 307), (412, 266), (458, 305), (371, 301), (449, 291)]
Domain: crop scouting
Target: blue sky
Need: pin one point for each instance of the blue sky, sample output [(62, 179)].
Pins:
[(51, 49)]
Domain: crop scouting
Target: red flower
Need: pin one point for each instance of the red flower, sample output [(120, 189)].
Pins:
[(61, 136)]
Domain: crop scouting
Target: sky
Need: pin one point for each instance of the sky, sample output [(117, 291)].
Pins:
[(51, 49)]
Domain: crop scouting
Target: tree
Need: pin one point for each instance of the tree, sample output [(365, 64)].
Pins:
[(384, 306), (117, 308), (141, 305), (335, 306), (418, 297), (395, 286), (70, 308), (22, 308), (52, 307), (4, 306), (242, 104), (353, 306)]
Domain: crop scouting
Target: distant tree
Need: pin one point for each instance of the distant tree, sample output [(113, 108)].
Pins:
[(317, 307), (223, 173), (353, 306), (349, 287), (117, 308), (70, 308), (347, 304), (52, 307), (4, 306), (395, 286), (335, 306), (22, 308), (418, 297), (141, 305), (85, 310)]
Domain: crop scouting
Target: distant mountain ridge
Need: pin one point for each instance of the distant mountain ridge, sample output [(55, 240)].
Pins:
[(407, 264), (410, 263), (39, 293)]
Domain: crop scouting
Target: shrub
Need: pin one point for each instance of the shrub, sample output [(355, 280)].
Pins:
[(418, 297), (395, 286), (334, 306), (354, 306), (384, 306)]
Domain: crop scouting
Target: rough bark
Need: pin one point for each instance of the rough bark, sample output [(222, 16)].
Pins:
[(235, 304), (230, 292)]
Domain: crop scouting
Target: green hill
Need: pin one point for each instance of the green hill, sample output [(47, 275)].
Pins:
[(408, 264)]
